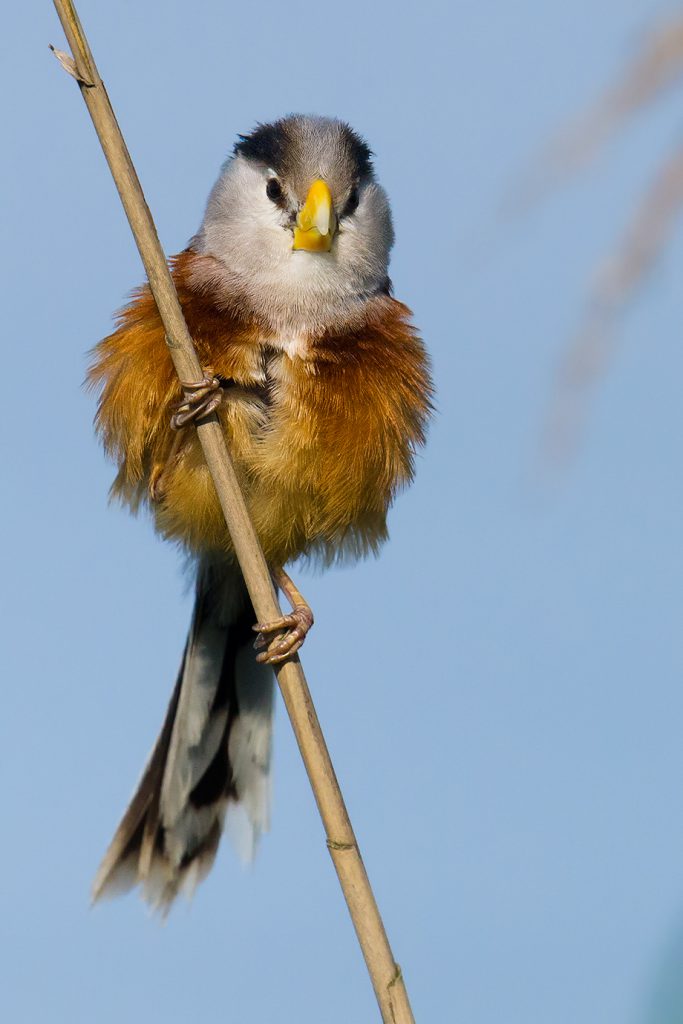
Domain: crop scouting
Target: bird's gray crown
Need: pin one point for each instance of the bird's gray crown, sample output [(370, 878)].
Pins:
[(300, 144)]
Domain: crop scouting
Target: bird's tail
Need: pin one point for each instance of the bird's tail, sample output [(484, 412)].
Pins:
[(212, 755)]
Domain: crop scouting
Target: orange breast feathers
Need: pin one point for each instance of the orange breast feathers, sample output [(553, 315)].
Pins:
[(322, 434)]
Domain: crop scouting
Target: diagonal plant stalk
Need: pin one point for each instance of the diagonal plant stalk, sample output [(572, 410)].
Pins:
[(385, 974)]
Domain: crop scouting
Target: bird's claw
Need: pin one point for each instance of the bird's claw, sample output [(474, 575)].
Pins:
[(290, 633), (200, 399), (155, 486)]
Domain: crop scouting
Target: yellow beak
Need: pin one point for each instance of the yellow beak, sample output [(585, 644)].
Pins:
[(316, 222)]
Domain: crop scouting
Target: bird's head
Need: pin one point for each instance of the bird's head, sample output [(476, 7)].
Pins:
[(296, 224)]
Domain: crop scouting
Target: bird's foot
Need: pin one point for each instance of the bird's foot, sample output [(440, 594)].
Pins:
[(200, 399), (159, 471), (290, 633), (156, 485)]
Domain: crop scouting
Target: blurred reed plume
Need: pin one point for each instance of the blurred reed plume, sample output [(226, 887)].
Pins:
[(656, 66)]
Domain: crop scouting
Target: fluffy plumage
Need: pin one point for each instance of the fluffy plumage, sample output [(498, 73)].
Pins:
[(327, 393)]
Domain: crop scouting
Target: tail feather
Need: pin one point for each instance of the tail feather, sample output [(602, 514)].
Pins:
[(212, 755)]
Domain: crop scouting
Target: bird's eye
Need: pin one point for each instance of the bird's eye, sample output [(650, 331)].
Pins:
[(352, 203), (273, 189)]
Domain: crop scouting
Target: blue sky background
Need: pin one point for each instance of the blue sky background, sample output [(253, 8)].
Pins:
[(507, 723)]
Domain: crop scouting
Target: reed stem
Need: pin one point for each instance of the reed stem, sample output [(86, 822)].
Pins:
[(385, 974)]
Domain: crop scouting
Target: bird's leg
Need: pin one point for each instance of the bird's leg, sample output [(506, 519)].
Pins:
[(291, 629), (199, 399), (158, 471)]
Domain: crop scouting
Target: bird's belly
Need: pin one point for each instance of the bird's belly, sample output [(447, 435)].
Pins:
[(301, 490)]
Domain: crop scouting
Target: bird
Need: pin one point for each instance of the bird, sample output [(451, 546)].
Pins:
[(322, 386)]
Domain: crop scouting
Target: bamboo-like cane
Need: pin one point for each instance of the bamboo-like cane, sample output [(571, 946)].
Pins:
[(385, 974)]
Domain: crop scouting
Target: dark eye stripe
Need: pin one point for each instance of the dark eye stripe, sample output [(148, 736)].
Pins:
[(351, 203), (273, 189)]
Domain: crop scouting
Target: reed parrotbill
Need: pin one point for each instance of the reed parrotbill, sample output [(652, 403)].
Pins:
[(322, 387)]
